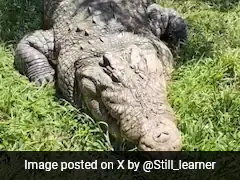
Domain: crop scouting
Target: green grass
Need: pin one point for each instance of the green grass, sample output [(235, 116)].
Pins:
[(204, 92)]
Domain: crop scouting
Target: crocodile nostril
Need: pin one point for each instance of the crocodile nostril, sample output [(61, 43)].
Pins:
[(165, 133), (161, 137)]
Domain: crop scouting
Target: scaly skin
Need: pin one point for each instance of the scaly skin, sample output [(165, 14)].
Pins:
[(108, 57)]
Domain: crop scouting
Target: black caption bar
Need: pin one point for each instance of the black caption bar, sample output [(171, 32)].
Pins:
[(116, 165)]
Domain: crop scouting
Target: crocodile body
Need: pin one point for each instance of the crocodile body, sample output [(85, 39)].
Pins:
[(107, 55)]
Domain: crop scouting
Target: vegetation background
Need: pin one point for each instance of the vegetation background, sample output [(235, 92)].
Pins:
[(204, 92)]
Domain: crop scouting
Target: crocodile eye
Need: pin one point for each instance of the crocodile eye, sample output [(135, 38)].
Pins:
[(106, 61)]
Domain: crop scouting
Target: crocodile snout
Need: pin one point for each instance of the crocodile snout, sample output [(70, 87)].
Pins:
[(164, 136)]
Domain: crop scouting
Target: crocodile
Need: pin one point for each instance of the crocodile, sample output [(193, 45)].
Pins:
[(112, 57)]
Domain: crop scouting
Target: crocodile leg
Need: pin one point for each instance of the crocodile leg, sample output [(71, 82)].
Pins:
[(33, 54), (167, 24)]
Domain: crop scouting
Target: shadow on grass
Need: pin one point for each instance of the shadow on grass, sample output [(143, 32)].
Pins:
[(20, 17), (195, 48), (17, 17), (222, 5)]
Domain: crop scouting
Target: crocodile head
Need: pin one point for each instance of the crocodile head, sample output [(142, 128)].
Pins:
[(128, 90)]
